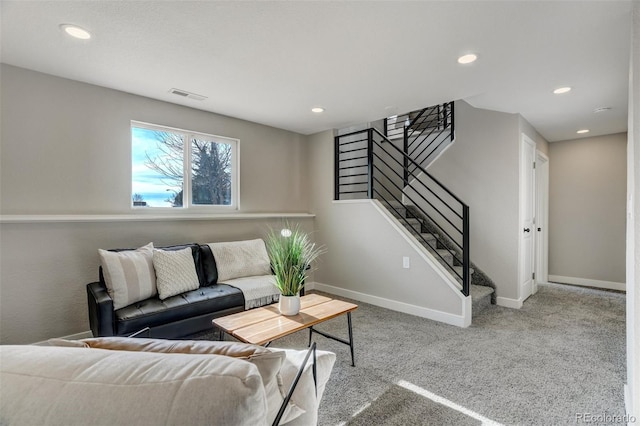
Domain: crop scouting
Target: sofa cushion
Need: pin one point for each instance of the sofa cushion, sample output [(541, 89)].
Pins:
[(155, 312), (269, 363), (209, 268), (129, 275), (175, 272), (76, 386), (237, 259)]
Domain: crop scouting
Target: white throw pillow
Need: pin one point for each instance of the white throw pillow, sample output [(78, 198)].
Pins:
[(129, 275), (175, 272), (237, 259)]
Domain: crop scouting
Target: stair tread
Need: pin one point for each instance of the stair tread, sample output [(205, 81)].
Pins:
[(480, 291), (396, 204), (428, 237), (442, 253), (459, 269), (446, 251)]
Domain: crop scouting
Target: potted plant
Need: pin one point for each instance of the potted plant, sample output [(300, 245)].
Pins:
[(291, 253)]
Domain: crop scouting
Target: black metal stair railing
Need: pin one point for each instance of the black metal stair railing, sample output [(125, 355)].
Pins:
[(423, 132), (370, 165)]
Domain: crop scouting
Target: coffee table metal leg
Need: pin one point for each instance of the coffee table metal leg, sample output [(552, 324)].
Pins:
[(353, 362), (338, 339), (221, 336)]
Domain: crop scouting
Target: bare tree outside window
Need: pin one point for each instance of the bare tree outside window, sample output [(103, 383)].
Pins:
[(167, 159)]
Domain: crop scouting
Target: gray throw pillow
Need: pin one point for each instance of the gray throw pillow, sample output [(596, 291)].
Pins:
[(175, 272)]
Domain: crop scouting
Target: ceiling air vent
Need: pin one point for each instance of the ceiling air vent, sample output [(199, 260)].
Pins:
[(186, 94)]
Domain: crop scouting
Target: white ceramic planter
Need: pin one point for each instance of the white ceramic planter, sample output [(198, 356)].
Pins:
[(289, 305)]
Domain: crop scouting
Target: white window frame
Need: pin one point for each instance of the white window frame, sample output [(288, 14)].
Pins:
[(187, 205)]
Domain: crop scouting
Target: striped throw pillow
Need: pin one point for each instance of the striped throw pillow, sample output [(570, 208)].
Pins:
[(129, 275)]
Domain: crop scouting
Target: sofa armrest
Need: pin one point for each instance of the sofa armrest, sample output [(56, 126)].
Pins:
[(101, 314), (309, 391), (285, 403)]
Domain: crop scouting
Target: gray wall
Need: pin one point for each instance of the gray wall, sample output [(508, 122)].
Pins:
[(481, 167), (587, 208), (65, 149)]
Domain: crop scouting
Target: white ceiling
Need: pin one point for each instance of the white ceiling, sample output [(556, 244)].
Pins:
[(270, 62)]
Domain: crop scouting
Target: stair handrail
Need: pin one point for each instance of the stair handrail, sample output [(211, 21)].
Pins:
[(417, 145), (417, 166), (415, 118), (433, 130)]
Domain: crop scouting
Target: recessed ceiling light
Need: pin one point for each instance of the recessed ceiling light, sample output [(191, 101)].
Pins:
[(76, 31), (602, 109), (317, 110), (561, 90), (581, 131), (467, 59)]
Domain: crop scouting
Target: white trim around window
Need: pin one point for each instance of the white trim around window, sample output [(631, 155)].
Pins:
[(162, 189)]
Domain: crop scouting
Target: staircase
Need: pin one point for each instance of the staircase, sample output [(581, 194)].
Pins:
[(391, 167), (481, 289)]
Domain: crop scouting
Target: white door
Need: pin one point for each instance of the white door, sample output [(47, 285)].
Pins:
[(527, 211), (542, 220)]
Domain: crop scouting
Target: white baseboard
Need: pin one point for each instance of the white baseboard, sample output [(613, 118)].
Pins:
[(463, 320), (609, 285), (509, 303)]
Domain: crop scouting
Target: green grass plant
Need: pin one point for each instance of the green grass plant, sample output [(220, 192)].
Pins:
[(291, 255)]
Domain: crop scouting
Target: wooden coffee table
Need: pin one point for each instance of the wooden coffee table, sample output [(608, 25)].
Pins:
[(263, 325)]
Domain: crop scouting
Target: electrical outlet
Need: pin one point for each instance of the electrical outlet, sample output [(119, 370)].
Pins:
[(406, 264)]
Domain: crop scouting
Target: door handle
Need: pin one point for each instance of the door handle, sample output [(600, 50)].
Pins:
[(527, 230)]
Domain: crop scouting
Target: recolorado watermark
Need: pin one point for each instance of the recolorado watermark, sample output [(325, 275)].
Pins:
[(605, 418)]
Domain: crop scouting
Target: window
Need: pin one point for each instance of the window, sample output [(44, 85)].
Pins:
[(175, 168)]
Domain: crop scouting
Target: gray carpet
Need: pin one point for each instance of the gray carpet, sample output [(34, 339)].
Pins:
[(561, 355)]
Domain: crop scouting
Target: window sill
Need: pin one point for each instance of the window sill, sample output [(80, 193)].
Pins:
[(62, 218)]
